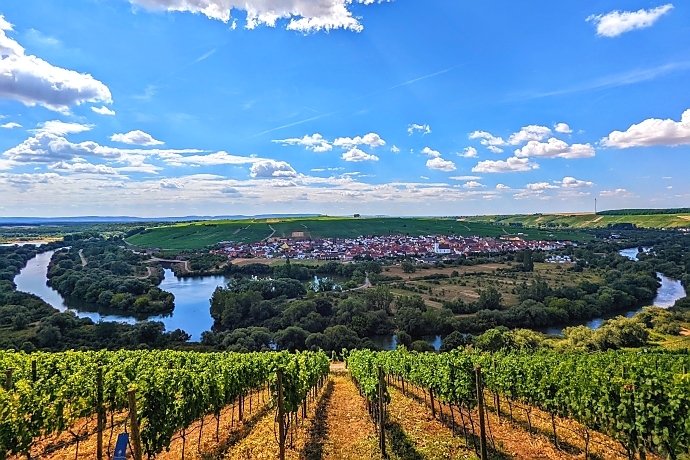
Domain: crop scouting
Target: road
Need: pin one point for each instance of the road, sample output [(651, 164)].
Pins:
[(184, 262), (83, 259)]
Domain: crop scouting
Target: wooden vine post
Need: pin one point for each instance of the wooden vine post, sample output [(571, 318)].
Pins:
[(34, 374), (281, 414), (134, 422), (480, 403), (8, 379), (382, 413), (100, 413)]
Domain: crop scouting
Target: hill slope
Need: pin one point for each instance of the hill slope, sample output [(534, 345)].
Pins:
[(198, 235)]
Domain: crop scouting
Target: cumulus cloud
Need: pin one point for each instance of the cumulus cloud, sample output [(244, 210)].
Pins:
[(171, 184), (103, 110), (473, 184), (136, 138), (316, 143), (424, 129), (540, 186), (304, 15), (529, 133), (373, 140), (469, 152), (431, 152), (562, 128), (488, 138), (81, 166), (555, 148), (356, 155), (571, 182), (652, 132), (11, 125), (502, 187), (512, 164), (271, 168), (395, 149), (33, 81), (440, 164), (616, 23)]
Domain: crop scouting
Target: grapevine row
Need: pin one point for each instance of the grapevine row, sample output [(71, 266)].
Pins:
[(51, 391), (640, 399)]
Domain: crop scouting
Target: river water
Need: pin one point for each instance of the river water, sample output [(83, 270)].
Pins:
[(192, 298)]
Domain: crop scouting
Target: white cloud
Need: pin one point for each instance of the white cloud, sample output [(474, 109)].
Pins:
[(356, 155), (424, 177), (616, 23), (424, 129), (529, 133), (652, 132), (487, 138), (502, 187), (512, 164), (431, 152), (495, 149), (440, 164), (469, 152), (571, 182), (211, 159), (619, 192), (465, 178), (82, 167), (473, 184), (61, 128), (304, 15), (272, 168), (11, 125), (555, 148), (136, 138), (373, 140), (316, 143), (33, 81), (171, 184), (395, 149), (540, 186), (562, 128), (103, 110)]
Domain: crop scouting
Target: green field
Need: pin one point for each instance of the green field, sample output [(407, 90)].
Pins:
[(198, 235), (588, 220)]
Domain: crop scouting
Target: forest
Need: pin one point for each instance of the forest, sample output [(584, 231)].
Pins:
[(103, 272)]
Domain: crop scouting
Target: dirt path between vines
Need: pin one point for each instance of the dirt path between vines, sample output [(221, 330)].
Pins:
[(343, 430)]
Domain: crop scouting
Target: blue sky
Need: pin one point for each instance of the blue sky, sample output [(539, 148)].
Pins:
[(407, 107)]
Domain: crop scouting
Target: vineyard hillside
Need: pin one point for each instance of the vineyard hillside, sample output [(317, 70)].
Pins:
[(399, 405)]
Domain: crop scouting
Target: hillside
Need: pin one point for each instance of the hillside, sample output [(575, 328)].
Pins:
[(198, 235), (587, 220)]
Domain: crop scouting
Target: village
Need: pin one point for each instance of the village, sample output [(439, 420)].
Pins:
[(426, 248)]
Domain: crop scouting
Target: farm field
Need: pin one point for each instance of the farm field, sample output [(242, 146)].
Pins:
[(198, 235), (588, 220), (474, 278)]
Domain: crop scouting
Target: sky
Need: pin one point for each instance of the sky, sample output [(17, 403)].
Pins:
[(405, 107)]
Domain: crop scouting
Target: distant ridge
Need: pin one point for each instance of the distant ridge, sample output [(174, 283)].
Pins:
[(643, 212), (131, 219)]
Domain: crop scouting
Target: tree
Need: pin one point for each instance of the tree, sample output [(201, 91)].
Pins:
[(421, 346), (493, 340), (292, 338), (490, 299), (408, 267), (454, 340), (403, 338), (20, 322)]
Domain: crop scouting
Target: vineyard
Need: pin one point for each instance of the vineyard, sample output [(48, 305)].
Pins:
[(399, 405)]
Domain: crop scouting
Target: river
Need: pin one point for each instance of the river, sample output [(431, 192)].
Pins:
[(192, 298), (192, 301), (670, 291)]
